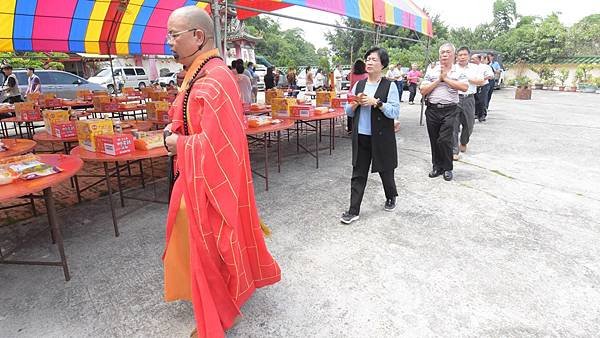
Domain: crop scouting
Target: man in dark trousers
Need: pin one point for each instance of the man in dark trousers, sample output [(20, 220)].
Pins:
[(440, 86)]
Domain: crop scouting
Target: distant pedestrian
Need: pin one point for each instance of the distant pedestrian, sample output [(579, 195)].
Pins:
[(33, 82), (413, 77), (11, 85), (358, 73)]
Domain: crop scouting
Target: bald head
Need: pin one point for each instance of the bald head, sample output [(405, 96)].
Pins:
[(190, 33), (194, 17)]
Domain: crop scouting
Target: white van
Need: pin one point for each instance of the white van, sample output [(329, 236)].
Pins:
[(135, 77)]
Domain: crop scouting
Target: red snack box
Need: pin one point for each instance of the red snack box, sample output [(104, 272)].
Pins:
[(338, 102), (301, 110), (116, 144), (27, 111), (64, 130)]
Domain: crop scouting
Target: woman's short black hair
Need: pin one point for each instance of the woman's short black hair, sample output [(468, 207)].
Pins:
[(239, 67), (359, 67), (382, 53)]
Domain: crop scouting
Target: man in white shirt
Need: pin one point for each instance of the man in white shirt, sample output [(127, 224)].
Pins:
[(466, 103), (482, 94), (440, 86), (337, 77), (395, 75)]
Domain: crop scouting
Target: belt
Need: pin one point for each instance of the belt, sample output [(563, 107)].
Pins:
[(441, 105), (465, 96)]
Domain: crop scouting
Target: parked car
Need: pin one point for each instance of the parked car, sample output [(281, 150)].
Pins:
[(260, 70), (63, 84), (124, 76), (168, 79)]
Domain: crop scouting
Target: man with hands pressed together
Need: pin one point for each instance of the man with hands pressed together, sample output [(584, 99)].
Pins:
[(374, 106), (441, 85)]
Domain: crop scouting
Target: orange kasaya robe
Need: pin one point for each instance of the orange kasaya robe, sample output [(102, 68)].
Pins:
[(215, 253)]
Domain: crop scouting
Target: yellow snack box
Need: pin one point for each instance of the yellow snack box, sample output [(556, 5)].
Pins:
[(271, 94), (157, 110), (87, 130), (53, 117), (324, 98)]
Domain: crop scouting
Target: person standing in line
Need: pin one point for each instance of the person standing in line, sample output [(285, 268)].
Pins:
[(10, 88), (319, 79), (394, 74), (483, 91), (34, 84), (413, 77), (374, 109), (253, 81), (497, 70), (440, 86), (269, 79), (337, 78), (358, 73), (244, 83), (466, 103), (310, 81), (215, 253)]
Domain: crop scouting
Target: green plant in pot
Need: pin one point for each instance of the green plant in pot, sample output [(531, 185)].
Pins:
[(523, 91), (583, 76), (563, 75)]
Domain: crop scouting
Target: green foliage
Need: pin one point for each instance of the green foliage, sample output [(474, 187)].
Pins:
[(35, 60), (563, 75), (505, 13), (522, 81), (582, 73), (596, 81), (584, 36), (285, 48)]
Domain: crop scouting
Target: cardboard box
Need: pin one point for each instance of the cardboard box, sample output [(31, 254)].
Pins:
[(158, 111), (301, 110), (115, 144), (130, 91), (271, 94), (27, 111), (158, 95), (64, 130), (337, 102), (280, 107), (84, 94), (33, 97), (324, 98), (87, 130), (150, 140), (53, 117), (49, 103)]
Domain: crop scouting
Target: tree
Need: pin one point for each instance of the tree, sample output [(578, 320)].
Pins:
[(281, 47), (505, 13), (584, 36)]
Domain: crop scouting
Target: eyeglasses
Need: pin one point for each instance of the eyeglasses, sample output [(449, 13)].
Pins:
[(172, 36)]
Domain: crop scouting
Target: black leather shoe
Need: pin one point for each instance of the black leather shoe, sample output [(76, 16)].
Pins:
[(390, 204), (435, 173), (448, 175)]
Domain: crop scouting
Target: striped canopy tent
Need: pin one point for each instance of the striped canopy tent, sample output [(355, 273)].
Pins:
[(115, 27), (403, 13)]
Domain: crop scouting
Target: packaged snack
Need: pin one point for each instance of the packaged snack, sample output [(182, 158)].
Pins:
[(149, 140)]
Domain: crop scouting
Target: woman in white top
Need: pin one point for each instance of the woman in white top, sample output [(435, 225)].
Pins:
[(244, 84)]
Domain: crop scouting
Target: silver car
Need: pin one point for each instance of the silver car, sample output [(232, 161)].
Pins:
[(63, 84)]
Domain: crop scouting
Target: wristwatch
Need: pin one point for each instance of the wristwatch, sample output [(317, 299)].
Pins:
[(379, 104)]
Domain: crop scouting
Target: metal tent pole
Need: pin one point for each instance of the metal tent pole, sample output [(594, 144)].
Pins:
[(215, 9)]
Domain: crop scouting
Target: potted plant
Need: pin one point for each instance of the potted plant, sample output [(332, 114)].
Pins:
[(596, 82), (583, 75), (539, 84), (523, 91), (563, 75)]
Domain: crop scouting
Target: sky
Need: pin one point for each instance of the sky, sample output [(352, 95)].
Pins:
[(571, 11)]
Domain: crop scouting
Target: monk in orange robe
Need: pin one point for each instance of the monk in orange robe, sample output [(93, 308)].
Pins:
[(215, 253)]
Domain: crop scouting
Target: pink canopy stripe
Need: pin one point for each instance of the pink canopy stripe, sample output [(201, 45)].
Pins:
[(52, 25)]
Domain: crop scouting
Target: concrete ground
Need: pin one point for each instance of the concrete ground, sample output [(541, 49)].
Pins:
[(507, 249)]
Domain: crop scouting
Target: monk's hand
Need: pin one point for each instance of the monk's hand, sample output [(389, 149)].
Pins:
[(171, 142)]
